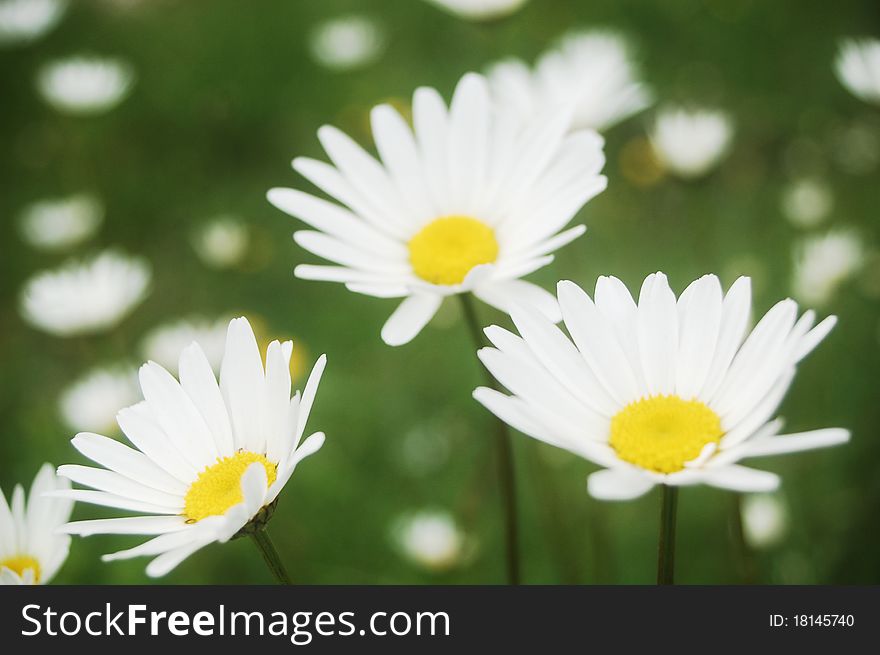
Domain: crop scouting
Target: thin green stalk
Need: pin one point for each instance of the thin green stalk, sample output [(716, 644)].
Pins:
[(666, 541), (270, 556), (504, 449)]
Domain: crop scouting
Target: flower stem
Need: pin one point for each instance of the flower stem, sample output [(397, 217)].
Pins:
[(270, 556), (666, 541), (504, 450)]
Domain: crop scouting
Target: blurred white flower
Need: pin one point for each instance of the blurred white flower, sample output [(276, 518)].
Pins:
[(479, 9), (765, 519), (164, 344), (85, 297), (91, 403), (222, 242), (59, 223), (85, 84), (807, 202), (591, 70), (431, 539), (822, 263), (347, 42), (691, 143), (858, 68), (23, 21)]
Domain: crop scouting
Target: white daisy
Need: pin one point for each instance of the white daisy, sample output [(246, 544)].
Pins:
[(91, 403), (60, 223), (208, 459), (691, 143), (765, 519), (431, 539), (807, 202), (85, 84), (660, 392), (592, 70), (164, 343), (470, 202), (31, 550), (858, 68), (479, 9), (221, 242), (24, 21), (823, 262), (347, 42), (85, 297)]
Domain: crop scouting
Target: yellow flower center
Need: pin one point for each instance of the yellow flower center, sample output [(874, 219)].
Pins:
[(218, 487), (447, 248), (661, 433), (21, 563)]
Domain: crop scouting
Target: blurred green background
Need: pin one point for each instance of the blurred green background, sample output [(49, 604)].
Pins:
[(227, 94)]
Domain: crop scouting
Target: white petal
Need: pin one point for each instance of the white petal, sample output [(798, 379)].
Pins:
[(505, 295), (409, 318), (618, 484), (241, 383), (128, 525), (735, 312), (198, 381), (796, 442), (741, 478), (658, 334)]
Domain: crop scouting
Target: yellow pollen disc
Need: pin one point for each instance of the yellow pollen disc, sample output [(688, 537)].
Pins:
[(21, 563), (218, 487), (661, 433), (446, 249)]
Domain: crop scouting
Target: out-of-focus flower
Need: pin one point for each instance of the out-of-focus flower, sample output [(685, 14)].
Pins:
[(858, 68), (23, 21), (691, 143), (479, 9), (164, 344), (221, 242), (347, 42), (807, 202), (91, 403), (57, 224), (461, 204), (592, 71), (765, 519), (210, 460), (85, 84), (31, 550), (86, 297), (431, 539), (667, 391), (822, 263)]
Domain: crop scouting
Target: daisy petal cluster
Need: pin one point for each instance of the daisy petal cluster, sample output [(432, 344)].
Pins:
[(57, 224), (24, 21), (691, 143), (467, 200), (660, 391), (85, 84), (92, 402), (347, 43), (164, 344), (208, 459), (480, 9), (823, 262), (858, 68)]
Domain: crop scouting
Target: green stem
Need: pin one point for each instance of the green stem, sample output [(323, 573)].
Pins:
[(270, 556), (666, 542), (504, 449)]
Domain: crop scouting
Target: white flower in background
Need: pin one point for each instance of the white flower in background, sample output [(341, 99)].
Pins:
[(858, 68), (221, 242), (57, 224), (85, 84), (431, 539), (479, 9), (347, 42), (164, 344), (765, 519), (666, 391), (31, 550), (469, 203), (593, 71), (806, 203), (691, 143), (86, 297), (23, 21), (92, 402), (822, 263), (207, 458)]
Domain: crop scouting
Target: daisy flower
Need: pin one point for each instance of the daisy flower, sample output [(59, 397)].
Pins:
[(593, 70), (431, 539), (57, 224), (765, 519), (209, 459), (468, 201), (691, 143), (479, 9), (164, 343), (31, 550), (85, 84), (858, 68), (666, 391), (91, 403), (23, 21), (347, 42), (86, 297), (823, 262)]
